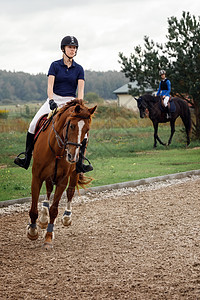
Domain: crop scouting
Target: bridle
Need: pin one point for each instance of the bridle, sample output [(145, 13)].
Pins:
[(62, 144)]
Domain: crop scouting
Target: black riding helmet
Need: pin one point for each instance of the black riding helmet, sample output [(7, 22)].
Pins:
[(69, 41)]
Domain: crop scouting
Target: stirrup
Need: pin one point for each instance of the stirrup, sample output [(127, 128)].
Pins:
[(23, 162), (21, 154), (82, 168)]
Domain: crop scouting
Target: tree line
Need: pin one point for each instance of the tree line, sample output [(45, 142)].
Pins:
[(23, 87)]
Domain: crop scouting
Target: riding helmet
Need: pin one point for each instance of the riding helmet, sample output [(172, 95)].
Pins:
[(162, 72), (69, 41)]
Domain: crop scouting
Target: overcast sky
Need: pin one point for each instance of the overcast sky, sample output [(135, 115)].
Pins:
[(31, 30)]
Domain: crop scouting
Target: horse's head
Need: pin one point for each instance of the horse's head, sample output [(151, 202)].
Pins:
[(75, 130), (142, 106)]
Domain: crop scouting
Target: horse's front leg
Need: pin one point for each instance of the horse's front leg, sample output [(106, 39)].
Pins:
[(67, 216), (156, 137), (44, 213), (172, 123), (32, 231), (53, 212)]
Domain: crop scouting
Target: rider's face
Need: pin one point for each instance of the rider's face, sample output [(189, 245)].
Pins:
[(162, 76), (70, 51)]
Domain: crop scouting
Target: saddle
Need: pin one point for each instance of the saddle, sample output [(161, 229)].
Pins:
[(42, 125), (165, 109)]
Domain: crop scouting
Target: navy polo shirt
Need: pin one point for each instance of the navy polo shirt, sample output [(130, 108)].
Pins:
[(66, 79)]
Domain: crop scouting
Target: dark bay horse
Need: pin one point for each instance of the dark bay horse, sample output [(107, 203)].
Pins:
[(56, 152), (156, 115)]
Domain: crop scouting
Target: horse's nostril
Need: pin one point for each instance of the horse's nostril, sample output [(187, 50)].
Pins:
[(69, 156)]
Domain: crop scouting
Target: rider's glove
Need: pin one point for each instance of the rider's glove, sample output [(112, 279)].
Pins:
[(52, 104)]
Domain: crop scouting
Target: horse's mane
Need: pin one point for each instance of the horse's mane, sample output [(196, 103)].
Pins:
[(69, 104), (151, 98)]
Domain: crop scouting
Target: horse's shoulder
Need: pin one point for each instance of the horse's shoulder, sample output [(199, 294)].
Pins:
[(156, 99)]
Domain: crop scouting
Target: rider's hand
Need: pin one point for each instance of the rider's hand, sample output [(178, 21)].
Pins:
[(52, 104)]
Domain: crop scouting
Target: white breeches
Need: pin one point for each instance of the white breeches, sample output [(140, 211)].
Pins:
[(165, 100), (45, 109)]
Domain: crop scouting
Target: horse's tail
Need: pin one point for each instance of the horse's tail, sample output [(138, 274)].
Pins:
[(83, 181), (185, 115)]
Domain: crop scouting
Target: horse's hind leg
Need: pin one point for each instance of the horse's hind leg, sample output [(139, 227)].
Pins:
[(44, 213), (67, 216), (32, 231)]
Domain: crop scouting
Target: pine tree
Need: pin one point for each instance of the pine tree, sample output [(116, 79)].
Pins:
[(179, 56)]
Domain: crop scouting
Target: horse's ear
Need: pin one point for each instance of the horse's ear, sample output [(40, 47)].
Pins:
[(77, 109), (136, 98), (92, 110)]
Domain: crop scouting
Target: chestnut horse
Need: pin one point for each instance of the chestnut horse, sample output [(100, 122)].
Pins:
[(56, 152)]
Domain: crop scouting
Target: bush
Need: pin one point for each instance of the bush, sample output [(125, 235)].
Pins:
[(93, 98), (114, 112), (4, 113)]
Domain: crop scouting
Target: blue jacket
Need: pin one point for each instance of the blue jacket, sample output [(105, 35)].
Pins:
[(164, 88)]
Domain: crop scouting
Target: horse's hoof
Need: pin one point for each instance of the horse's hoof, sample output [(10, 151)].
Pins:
[(32, 237), (49, 236), (66, 220), (42, 225), (48, 245), (32, 233)]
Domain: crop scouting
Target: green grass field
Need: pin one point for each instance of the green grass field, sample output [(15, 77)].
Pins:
[(120, 149), (117, 155)]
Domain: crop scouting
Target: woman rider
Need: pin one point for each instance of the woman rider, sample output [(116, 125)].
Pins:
[(164, 90), (65, 76)]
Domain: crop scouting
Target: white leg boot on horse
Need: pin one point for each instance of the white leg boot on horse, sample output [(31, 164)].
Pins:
[(67, 216), (32, 232), (44, 215)]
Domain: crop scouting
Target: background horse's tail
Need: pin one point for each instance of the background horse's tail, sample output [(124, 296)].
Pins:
[(185, 117), (83, 181), (185, 114)]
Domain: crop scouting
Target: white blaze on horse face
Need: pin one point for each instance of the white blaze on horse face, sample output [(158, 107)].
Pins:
[(80, 127)]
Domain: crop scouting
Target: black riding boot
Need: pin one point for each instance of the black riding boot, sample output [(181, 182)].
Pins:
[(80, 166), (168, 111), (25, 162)]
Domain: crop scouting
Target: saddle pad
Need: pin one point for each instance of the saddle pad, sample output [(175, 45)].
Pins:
[(172, 107)]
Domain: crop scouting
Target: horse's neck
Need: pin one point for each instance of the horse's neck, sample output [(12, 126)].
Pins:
[(150, 104), (62, 120)]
